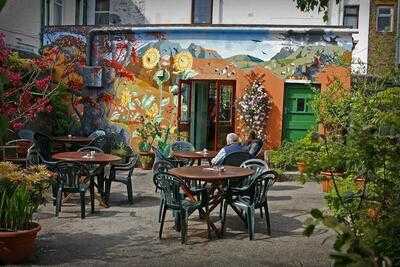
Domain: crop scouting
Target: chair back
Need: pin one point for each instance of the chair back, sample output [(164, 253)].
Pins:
[(255, 165), (43, 145), (96, 134), (158, 155), (26, 134), (111, 142), (71, 174), (256, 148), (236, 158), (182, 146), (22, 146), (32, 157), (98, 142), (259, 187), (162, 166), (169, 186)]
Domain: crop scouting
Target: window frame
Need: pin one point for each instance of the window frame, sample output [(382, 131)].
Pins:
[(384, 15), (352, 15), (59, 3), (211, 13), (102, 12)]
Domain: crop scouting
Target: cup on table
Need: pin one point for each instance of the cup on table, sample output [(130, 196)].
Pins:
[(70, 136)]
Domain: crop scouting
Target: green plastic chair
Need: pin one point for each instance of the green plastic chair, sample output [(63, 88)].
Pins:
[(249, 198), (174, 200)]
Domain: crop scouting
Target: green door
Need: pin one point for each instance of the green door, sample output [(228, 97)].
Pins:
[(299, 117)]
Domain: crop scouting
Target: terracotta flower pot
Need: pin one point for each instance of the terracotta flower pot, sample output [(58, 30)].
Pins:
[(17, 247), (146, 160), (327, 182), (301, 167), (360, 182)]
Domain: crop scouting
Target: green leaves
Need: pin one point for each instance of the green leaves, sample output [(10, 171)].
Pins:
[(3, 83), (161, 76), (317, 214), (2, 4)]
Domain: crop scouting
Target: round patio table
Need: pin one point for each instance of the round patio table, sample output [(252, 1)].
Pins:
[(215, 178), (81, 140), (98, 158), (196, 155), (101, 159)]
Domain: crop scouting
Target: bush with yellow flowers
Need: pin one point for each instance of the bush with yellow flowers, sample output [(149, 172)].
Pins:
[(21, 193)]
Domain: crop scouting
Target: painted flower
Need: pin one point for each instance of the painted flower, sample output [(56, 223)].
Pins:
[(183, 61), (125, 98), (150, 58)]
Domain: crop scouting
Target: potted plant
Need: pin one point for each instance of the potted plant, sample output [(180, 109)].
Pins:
[(147, 133), (21, 193)]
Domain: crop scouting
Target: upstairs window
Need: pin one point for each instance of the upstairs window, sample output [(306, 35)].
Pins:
[(202, 11), (384, 19), (350, 16), (58, 12), (102, 12)]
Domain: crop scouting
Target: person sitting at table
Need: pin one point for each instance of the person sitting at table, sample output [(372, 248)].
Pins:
[(232, 145), (253, 144)]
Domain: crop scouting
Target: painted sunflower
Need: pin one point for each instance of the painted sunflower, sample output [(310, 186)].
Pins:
[(183, 61), (150, 58)]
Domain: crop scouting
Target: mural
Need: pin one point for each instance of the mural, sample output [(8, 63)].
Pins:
[(158, 61)]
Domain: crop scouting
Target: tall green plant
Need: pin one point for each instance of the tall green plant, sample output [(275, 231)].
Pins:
[(21, 193), (366, 219)]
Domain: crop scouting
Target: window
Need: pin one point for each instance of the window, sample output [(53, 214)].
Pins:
[(384, 19), (58, 12), (301, 105), (350, 16), (102, 12), (202, 11)]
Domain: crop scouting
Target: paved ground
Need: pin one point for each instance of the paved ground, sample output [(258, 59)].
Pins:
[(127, 235)]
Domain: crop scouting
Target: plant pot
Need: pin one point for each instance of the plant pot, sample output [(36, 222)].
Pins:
[(360, 182), (327, 182), (17, 247), (301, 167), (146, 160)]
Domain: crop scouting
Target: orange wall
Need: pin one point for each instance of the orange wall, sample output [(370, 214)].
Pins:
[(331, 73), (275, 87)]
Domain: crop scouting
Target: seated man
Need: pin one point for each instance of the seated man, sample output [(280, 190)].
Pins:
[(253, 144), (232, 145)]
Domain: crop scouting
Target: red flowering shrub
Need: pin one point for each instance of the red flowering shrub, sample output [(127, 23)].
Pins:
[(25, 87)]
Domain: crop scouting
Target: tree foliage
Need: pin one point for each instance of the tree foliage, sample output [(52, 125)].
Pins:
[(311, 5)]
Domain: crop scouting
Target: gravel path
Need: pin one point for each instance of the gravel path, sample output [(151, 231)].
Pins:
[(128, 235)]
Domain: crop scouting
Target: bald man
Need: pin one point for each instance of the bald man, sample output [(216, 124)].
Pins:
[(232, 145)]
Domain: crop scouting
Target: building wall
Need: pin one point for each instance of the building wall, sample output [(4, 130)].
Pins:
[(20, 23), (382, 46), (217, 54), (282, 12), (360, 52)]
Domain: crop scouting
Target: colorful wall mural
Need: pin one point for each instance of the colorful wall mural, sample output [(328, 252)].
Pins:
[(152, 63)]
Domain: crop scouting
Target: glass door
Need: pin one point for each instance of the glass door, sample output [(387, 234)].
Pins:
[(225, 119)]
